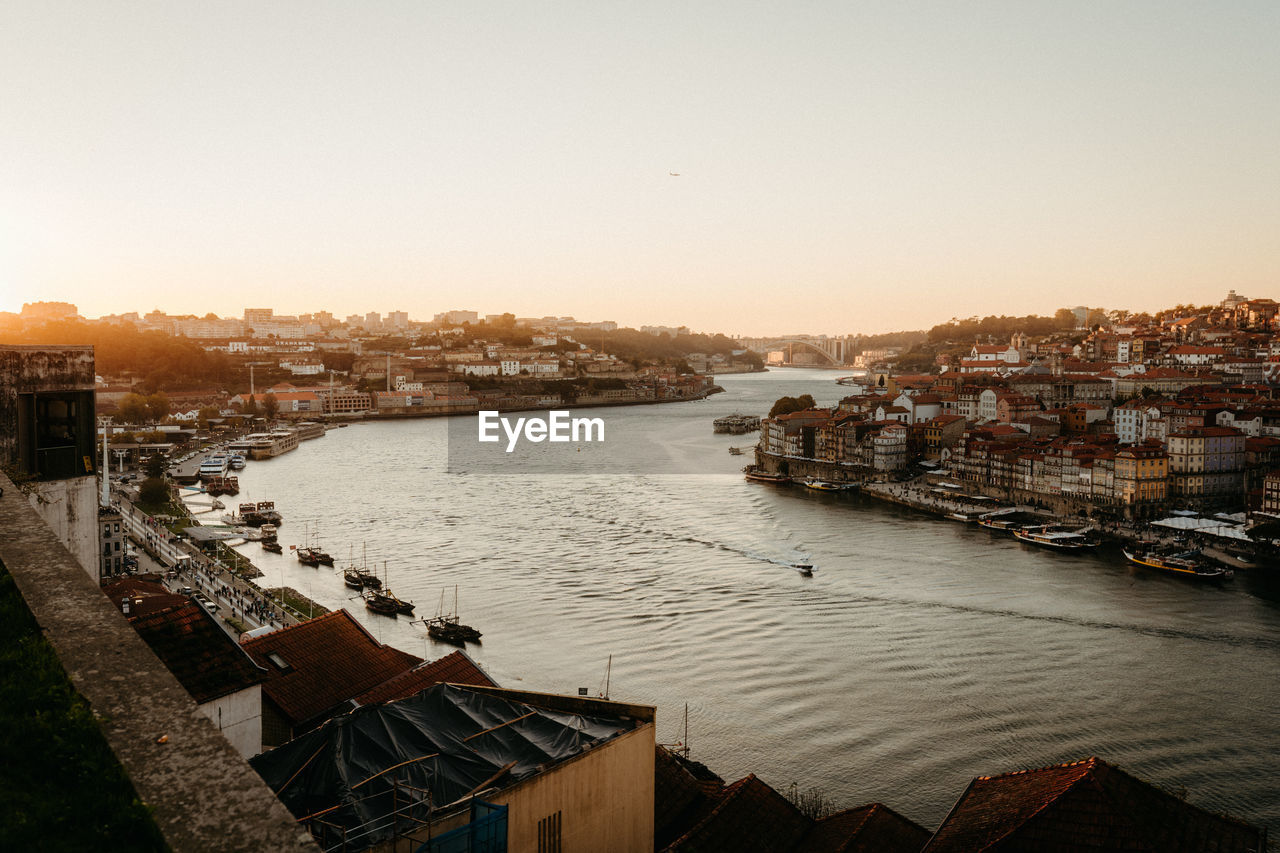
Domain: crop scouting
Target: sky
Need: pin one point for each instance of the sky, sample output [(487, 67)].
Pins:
[(842, 167)]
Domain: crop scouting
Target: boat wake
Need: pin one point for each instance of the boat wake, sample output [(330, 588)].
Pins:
[(1216, 637)]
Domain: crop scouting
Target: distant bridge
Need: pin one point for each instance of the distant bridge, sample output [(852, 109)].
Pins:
[(827, 350)]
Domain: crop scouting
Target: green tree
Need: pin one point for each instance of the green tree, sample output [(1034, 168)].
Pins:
[(250, 407), (153, 492), (270, 406), (155, 465), (787, 405), (203, 416), (158, 406), (133, 408)]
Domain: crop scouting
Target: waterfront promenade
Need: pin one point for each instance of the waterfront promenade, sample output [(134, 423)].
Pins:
[(240, 601)]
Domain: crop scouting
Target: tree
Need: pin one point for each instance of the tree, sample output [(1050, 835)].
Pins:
[(812, 803), (250, 407), (133, 408), (158, 406), (155, 465), (787, 405), (205, 413), (1064, 318), (153, 492), (270, 406)]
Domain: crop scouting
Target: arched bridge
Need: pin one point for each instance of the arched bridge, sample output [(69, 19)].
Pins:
[(828, 350)]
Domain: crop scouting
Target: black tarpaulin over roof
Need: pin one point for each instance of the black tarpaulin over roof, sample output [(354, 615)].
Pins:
[(447, 739)]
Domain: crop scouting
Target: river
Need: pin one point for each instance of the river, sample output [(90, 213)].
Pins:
[(920, 654)]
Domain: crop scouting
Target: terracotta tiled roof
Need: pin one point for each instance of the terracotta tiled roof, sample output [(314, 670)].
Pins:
[(680, 799), (327, 660), (751, 817), (207, 662), (144, 596), (872, 828), (453, 668), (1084, 806)]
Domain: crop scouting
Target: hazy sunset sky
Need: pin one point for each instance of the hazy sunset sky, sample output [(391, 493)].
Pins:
[(843, 166)]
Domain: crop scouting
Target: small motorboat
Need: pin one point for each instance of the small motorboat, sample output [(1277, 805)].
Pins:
[(273, 546), (805, 569)]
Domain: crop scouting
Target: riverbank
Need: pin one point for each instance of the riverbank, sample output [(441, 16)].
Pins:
[(923, 497), (585, 402)]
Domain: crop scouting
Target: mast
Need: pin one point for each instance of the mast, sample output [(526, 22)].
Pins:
[(608, 668)]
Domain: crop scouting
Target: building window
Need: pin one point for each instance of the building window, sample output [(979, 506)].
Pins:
[(549, 834)]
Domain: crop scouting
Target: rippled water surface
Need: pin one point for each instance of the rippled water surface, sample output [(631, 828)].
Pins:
[(921, 653)]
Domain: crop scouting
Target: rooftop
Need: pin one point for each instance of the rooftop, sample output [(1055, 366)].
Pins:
[(1083, 806), (451, 740), (204, 659), (317, 665)]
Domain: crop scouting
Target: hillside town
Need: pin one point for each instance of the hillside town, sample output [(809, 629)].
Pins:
[(1122, 419), (316, 365)]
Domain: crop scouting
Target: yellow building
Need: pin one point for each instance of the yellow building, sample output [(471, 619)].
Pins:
[(1142, 474), (453, 764)]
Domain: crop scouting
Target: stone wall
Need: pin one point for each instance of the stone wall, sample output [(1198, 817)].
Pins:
[(204, 796)]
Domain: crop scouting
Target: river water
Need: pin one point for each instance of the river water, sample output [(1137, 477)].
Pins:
[(920, 654)]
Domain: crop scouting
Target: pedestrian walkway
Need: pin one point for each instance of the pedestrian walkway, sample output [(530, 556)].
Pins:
[(185, 566)]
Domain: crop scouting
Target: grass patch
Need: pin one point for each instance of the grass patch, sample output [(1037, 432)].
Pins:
[(62, 787), (301, 606)]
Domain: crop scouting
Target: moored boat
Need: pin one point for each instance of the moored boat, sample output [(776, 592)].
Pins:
[(757, 476), (381, 603), (273, 546), (213, 466), (1063, 540), (1188, 564), (1012, 520), (448, 628), (402, 606), (260, 513), (828, 486)]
